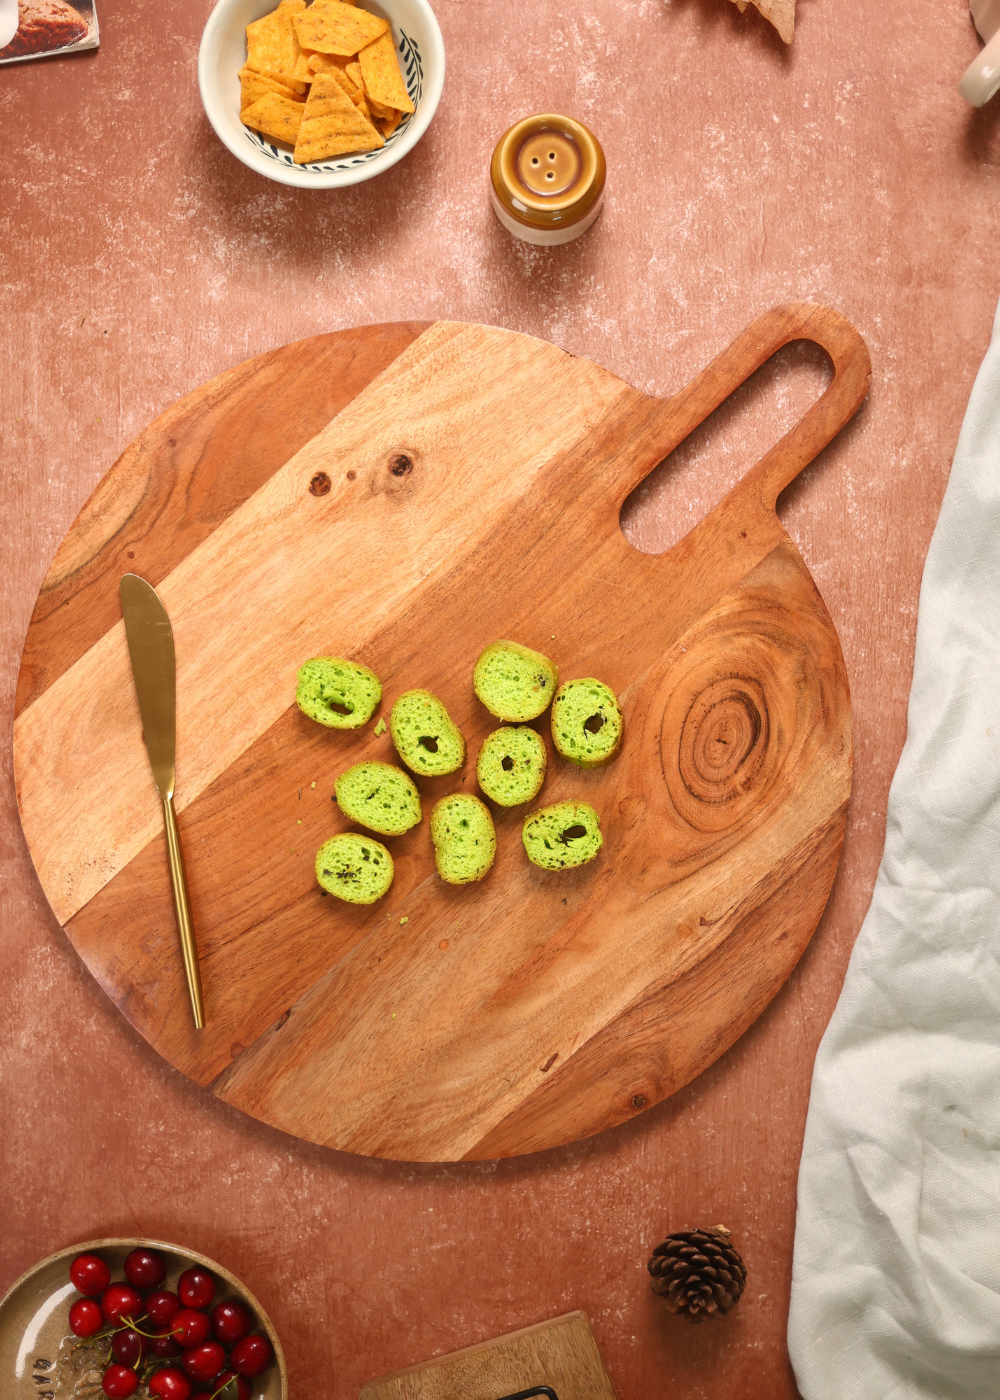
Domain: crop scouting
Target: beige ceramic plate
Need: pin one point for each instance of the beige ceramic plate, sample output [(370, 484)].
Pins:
[(35, 1339)]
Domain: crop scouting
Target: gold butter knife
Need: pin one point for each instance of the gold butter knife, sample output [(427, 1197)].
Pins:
[(151, 651)]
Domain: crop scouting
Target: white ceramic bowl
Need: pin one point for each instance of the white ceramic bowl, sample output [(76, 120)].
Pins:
[(223, 52)]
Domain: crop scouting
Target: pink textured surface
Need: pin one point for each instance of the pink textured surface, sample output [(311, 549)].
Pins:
[(139, 258)]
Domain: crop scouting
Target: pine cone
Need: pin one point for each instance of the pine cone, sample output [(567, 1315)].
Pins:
[(698, 1272)]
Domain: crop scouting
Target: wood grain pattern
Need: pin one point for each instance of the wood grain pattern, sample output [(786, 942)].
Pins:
[(480, 1026), (561, 1353), (174, 484)]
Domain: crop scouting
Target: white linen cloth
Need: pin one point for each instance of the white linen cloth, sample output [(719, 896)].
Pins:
[(896, 1276)]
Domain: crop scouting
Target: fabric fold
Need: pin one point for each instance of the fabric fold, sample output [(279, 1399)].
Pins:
[(896, 1275)]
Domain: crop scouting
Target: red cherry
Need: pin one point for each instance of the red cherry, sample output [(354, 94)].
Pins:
[(145, 1269), (120, 1301), (204, 1362), (170, 1384), (230, 1321), (196, 1288), (161, 1307), (244, 1390), (85, 1317), (163, 1344), (190, 1328), (252, 1355), (119, 1382), (128, 1346), (89, 1274)]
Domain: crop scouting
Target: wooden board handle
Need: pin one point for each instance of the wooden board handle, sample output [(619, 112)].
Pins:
[(796, 320)]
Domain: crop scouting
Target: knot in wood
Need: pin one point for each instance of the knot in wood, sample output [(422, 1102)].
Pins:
[(320, 484), (731, 731)]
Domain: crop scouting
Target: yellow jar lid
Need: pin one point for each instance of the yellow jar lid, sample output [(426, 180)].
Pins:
[(548, 171)]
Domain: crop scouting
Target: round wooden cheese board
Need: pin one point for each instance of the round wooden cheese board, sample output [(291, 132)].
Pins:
[(404, 495)]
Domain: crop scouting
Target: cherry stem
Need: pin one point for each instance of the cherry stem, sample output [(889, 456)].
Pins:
[(154, 1364), (96, 1339), (134, 1326), (233, 1394)]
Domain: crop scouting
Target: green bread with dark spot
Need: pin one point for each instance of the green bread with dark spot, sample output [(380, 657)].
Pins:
[(511, 766), (328, 681), (379, 796), (426, 738), (563, 836), (465, 841), (514, 682), (355, 868), (587, 723)]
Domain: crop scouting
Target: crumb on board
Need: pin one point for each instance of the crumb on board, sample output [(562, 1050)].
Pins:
[(404, 919), (380, 728)]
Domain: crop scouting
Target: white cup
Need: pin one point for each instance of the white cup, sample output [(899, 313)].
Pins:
[(982, 77)]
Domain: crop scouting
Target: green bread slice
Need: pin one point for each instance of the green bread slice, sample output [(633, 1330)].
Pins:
[(340, 694), (511, 766), (379, 796), (562, 836), (587, 723), (354, 868), (426, 738), (514, 682), (465, 841)]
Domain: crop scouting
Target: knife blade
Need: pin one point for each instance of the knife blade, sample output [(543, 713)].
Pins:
[(151, 652)]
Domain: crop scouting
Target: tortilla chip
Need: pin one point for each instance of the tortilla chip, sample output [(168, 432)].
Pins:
[(274, 116), (387, 125), (287, 84), (272, 44), (385, 118), (354, 93), (380, 110), (344, 146), (303, 73), (328, 26), (342, 75), (327, 62), (380, 70), (332, 125), (254, 85), (353, 71)]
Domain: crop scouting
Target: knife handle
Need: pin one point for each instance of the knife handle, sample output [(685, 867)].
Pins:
[(182, 908)]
